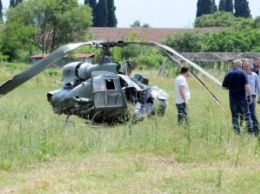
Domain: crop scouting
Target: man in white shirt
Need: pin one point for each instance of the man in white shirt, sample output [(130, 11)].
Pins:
[(253, 82), (182, 94)]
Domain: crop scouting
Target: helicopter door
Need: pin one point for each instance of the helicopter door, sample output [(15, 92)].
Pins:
[(107, 90)]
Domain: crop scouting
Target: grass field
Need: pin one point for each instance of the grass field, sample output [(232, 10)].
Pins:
[(40, 154)]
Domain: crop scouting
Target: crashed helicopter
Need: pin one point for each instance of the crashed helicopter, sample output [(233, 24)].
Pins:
[(102, 92)]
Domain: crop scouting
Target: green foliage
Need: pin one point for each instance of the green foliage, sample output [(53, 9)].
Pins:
[(189, 41), (242, 8), (232, 40), (15, 38), (49, 24), (257, 22), (218, 19), (149, 60), (223, 19), (136, 24)]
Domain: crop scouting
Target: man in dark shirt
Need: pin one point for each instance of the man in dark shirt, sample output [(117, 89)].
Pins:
[(236, 82)]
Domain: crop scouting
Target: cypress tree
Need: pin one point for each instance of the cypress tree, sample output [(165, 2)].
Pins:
[(199, 9), (92, 4), (12, 3), (229, 7), (18, 1), (242, 8), (222, 5), (101, 13), (111, 20), (1, 8), (214, 8), (204, 7)]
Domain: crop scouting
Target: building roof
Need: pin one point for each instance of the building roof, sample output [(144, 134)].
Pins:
[(143, 34)]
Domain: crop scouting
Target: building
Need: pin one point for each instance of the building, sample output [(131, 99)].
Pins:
[(142, 34)]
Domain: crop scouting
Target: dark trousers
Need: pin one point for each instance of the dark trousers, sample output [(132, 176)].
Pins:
[(252, 110), (182, 113), (237, 108)]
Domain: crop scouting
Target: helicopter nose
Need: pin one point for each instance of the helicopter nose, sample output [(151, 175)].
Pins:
[(49, 96)]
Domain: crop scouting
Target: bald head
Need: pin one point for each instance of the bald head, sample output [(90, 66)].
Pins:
[(237, 63)]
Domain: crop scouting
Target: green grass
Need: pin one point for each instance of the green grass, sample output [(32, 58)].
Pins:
[(40, 154)]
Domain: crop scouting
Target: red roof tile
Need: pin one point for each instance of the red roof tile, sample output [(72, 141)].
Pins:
[(143, 34)]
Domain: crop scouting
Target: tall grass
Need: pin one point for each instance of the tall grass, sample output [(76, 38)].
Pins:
[(31, 134)]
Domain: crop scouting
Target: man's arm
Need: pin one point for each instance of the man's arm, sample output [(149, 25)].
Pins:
[(181, 90), (248, 91), (257, 86)]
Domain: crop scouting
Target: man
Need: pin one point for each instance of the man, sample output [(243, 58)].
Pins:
[(255, 66), (237, 83), (254, 86), (182, 94)]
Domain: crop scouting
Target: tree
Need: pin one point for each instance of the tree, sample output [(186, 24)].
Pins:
[(12, 3), (101, 14), (242, 8), (1, 13), (231, 40), (222, 5), (199, 8), (15, 38), (54, 23), (189, 41), (205, 7), (218, 19), (136, 24), (229, 7), (214, 8), (92, 4), (112, 20), (223, 19), (145, 25)]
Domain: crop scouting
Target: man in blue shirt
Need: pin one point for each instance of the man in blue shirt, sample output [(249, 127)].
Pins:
[(237, 83)]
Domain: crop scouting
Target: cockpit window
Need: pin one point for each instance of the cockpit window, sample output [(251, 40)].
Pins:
[(110, 85)]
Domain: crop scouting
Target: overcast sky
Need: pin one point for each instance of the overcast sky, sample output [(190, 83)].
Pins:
[(160, 14)]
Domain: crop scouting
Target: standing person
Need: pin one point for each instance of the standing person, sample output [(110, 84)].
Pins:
[(237, 83), (182, 94), (255, 65), (254, 86)]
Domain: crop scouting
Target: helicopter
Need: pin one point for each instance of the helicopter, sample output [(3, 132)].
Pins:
[(102, 92)]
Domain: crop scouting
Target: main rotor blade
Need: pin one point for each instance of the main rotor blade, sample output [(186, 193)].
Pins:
[(189, 62), (35, 69), (164, 48)]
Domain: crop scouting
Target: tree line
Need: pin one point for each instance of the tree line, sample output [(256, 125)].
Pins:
[(34, 26), (240, 8), (239, 31)]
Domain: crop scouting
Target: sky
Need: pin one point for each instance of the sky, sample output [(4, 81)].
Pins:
[(160, 13)]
